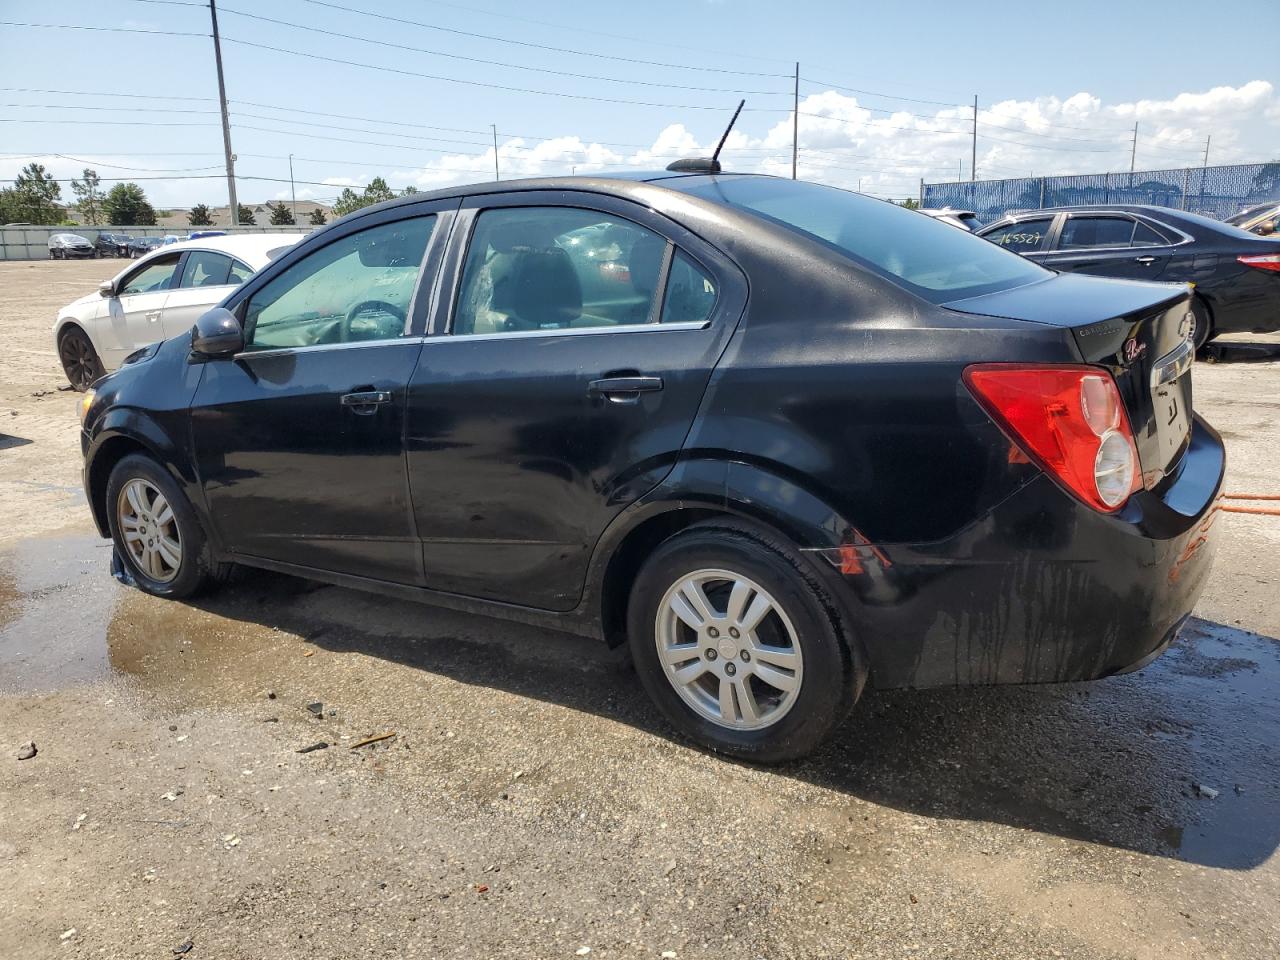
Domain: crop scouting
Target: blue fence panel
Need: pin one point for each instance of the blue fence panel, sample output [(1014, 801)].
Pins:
[(1213, 191)]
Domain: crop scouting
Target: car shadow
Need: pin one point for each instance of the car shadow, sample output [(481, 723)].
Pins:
[(1238, 351), (1179, 760)]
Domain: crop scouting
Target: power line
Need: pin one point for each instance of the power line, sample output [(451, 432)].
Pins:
[(78, 26), (97, 93), (497, 63), (584, 53)]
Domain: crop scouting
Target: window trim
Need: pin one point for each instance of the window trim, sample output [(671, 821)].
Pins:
[(1159, 226), (440, 325)]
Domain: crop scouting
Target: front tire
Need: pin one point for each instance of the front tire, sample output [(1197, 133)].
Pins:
[(156, 532), (734, 638), (79, 359)]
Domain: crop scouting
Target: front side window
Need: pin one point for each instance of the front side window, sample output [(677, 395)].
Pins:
[(557, 268), (357, 288), (933, 260), (1026, 236), (1080, 232), (156, 275), (205, 269)]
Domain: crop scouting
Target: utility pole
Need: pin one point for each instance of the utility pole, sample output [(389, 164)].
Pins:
[(1133, 154), (494, 127), (1206, 151), (293, 196), (960, 170), (795, 124), (973, 158), (226, 122)]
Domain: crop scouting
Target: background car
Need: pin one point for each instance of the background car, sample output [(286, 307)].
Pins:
[(1261, 218), (158, 297), (965, 219), (65, 246), (1236, 274), (791, 441), (139, 246), (112, 244), (201, 234)]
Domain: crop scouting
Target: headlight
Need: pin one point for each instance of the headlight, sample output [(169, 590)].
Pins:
[(86, 402)]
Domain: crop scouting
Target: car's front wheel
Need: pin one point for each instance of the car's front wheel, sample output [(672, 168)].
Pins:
[(156, 533), (734, 639), (79, 359)]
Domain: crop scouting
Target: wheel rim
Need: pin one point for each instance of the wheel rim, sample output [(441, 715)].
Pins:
[(149, 530), (78, 360), (729, 649)]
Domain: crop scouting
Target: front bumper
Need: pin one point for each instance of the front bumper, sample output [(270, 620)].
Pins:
[(1043, 588)]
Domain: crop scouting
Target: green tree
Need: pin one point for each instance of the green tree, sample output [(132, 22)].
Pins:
[(911, 203), (318, 218), (33, 198), (127, 206), (89, 197), (408, 191), (246, 217), (281, 216), (199, 216), (349, 201)]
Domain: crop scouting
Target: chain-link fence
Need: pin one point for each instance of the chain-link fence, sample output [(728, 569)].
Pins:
[(32, 243), (1213, 191)]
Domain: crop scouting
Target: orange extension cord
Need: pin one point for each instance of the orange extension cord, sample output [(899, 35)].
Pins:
[(1264, 511)]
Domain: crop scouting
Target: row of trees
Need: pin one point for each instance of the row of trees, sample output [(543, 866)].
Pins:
[(36, 196), (376, 191)]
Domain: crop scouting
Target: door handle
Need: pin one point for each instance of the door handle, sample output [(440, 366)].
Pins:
[(1145, 260), (153, 315), (365, 402), (624, 389)]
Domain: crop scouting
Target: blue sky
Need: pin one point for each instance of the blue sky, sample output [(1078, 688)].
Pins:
[(884, 89)]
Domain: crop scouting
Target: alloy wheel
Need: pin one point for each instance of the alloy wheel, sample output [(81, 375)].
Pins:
[(78, 360), (149, 530), (729, 649)]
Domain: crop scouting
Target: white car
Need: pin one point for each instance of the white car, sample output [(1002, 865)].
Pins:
[(964, 219), (157, 297)]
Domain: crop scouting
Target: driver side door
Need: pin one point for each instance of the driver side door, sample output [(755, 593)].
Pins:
[(135, 312), (299, 438)]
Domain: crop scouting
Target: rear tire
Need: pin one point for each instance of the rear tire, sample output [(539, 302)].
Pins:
[(79, 359), (1202, 326), (762, 686), (157, 536)]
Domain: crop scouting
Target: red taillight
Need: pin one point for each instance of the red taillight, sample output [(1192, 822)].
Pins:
[(1262, 261), (1070, 420)]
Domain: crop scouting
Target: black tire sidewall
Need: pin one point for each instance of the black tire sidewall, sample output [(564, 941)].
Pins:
[(1204, 326), (74, 331), (194, 569), (830, 684)]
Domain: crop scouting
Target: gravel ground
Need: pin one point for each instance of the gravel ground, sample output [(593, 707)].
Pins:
[(532, 804)]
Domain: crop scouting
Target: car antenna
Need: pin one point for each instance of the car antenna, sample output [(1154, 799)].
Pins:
[(704, 165)]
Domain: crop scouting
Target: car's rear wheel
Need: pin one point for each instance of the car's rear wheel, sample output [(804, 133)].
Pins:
[(79, 360), (1201, 325), (734, 639), (156, 533)]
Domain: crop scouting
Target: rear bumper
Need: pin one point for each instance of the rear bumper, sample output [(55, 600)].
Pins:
[(1043, 589)]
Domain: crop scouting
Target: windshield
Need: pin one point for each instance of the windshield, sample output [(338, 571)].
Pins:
[(930, 258)]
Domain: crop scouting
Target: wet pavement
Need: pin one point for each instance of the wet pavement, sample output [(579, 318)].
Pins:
[(1086, 792)]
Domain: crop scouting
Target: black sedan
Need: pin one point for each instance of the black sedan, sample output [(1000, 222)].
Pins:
[(140, 246), (1236, 274), (781, 439), (112, 244)]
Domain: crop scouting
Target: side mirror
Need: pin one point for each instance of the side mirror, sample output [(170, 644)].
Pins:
[(217, 334), (107, 288)]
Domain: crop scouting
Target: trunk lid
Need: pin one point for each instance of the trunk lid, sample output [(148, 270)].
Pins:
[(1138, 331)]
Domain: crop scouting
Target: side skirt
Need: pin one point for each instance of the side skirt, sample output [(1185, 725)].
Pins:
[(570, 622)]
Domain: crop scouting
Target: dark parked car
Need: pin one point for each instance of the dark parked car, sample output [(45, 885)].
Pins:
[(112, 245), (140, 246), (1236, 274), (1261, 218), (782, 439)]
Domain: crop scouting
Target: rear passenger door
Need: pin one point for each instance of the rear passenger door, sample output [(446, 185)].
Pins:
[(1109, 245), (570, 349)]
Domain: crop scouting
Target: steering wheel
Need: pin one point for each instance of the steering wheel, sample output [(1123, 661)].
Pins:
[(369, 306)]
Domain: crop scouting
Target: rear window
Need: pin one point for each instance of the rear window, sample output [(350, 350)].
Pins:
[(931, 259)]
